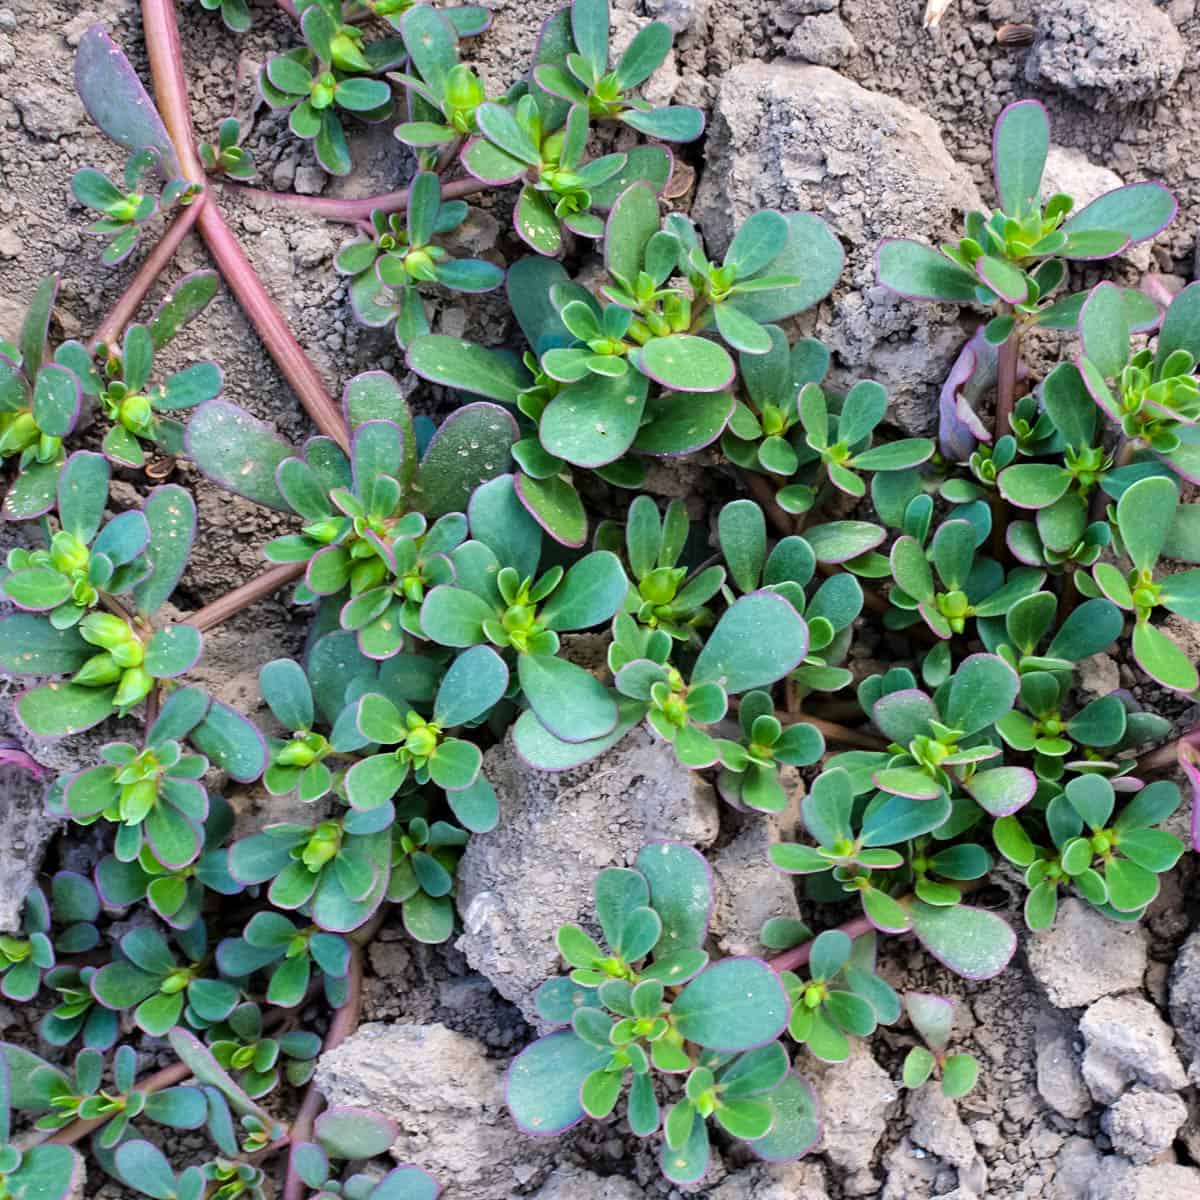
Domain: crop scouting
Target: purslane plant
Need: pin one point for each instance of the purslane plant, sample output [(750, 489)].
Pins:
[(458, 601)]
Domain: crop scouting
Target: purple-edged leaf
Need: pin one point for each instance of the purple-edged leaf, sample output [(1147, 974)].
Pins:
[(594, 422), (470, 448), (238, 451), (1002, 791), (116, 100), (184, 302), (813, 254), (797, 1125), (57, 709), (1181, 326), (932, 1017), (680, 892), (33, 492), (467, 367), (681, 424), (981, 691), (685, 363), (173, 650), (1189, 761), (555, 505), (1020, 142), (734, 1005), (354, 1133), (30, 645), (903, 715), (490, 164), (757, 641), (919, 272), (840, 541), (1140, 211), (56, 400), (36, 325), (634, 219), (170, 514), (232, 742), (545, 1079), (971, 942), (1104, 330), (1007, 281)]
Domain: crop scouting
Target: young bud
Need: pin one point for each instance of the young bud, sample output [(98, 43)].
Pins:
[(136, 414), (99, 671), (135, 686), (68, 553), (105, 629), (137, 800), (129, 654)]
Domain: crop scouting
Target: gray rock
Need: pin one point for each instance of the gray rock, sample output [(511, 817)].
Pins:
[(1097, 676), (1119, 1179), (447, 1098), (1075, 1166), (854, 1096), (748, 891), (777, 1181), (25, 831), (534, 872), (678, 14), (1107, 52), (1059, 1078), (1185, 1001), (822, 39), (1143, 1124), (1084, 956), (571, 1183), (803, 138), (937, 1127), (1126, 1041)]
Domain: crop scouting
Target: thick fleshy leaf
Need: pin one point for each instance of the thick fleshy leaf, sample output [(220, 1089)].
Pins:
[(680, 892), (1002, 791), (1139, 210), (1020, 142), (232, 742), (543, 751), (590, 593), (758, 640), (1181, 326), (840, 541), (1144, 513), (238, 451), (173, 650), (555, 505), (686, 363), (470, 448), (354, 1133), (1104, 330), (971, 942), (919, 272), (797, 1125), (499, 520), (116, 100), (1162, 659), (633, 220), (57, 709), (736, 1004), (594, 422), (1092, 626), (569, 701), (544, 1082), (981, 691)]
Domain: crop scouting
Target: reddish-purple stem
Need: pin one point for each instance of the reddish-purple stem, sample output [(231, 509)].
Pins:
[(170, 89), (344, 1023), (250, 592), (113, 325), (797, 956), (346, 210)]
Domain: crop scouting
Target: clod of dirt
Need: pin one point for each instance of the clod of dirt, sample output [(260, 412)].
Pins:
[(855, 1097), (571, 1183), (805, 138), (1126, 1042), (1185, 1000), (1106, 51), (938, 1128), (1059, 1078), (448, 1099), (1119, 1179), (749, 890), (25, 831), (1143, 1124), (535, 871), (823, 40), (782, 1181), (1097, 676), (1083, 956)]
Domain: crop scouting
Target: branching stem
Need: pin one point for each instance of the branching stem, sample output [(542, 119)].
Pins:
[(1007, 367), (170, 89), (110, 329)]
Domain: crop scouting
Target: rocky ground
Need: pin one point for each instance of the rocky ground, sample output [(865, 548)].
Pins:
[(1091, 1042)]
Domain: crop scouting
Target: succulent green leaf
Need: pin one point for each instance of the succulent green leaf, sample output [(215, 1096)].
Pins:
[(736, 1004)]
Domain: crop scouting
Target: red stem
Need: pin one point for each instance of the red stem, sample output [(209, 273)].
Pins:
[(250, 592), (1167, 755), (1007, 366), (348, 211), (113, 325), (170, 89), (797, 956), (78, 1130), (344, 1023)]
